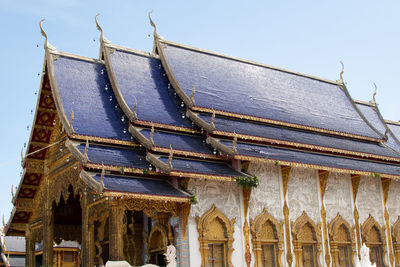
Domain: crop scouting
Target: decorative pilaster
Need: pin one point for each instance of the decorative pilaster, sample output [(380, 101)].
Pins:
[(85, 230), (48, 223), (355, 182), (29, 247), (115, 232), (285, 171), (246, 229), (323, 180), (385, 191)]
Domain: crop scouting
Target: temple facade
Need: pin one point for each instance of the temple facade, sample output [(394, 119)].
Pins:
[(233, 162)]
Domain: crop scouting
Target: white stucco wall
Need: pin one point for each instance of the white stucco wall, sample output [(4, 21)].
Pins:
[(338, 197), (226, 197), (393, 202), (302, 194), (369, 199)]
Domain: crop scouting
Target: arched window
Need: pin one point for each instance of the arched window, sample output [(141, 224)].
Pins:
[(396, 241), (157, 244), (373, 236), (306, 242), (267, 239), (216, 238), (341, 242)]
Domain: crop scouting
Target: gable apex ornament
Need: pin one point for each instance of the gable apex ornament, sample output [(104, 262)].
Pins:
[(102, 38), (152, 23), (47, 45), (373, 101), (341, 74)]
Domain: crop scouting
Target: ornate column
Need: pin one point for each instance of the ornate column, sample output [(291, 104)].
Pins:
[(246, 229), (85, 229), (29, 247), (115, 232), (285, 171), (48, 222), (385, 191), (355, 182), (323, 180)]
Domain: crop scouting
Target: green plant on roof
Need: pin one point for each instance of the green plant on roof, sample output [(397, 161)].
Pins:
[(247, 181), (376, 175), (193, 200), (145, 171), (276, 162), (122, 170)]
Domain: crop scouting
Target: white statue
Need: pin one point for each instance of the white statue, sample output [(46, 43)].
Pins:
[(364, 261), (170, 256)]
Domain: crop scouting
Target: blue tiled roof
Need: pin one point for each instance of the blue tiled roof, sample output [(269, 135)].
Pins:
[(297, 136), (140, 186), (395, 130), (294, 156), (123, 157), (84, 88), (179, 141), (373, 117), (198, 166), (230, 85), (143, 77)]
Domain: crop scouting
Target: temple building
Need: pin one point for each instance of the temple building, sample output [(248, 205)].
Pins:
[(234, 162)]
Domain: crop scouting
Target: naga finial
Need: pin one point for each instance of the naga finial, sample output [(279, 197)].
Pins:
[(374, 94), (103, 172), (192, 96), (134, 107), (72, 120), (152, 23), (152, 135), (98, 27), (212, 119), (12, 191), (171, 153), (46, 42), (234, 143), (341, 73), (87, 146)]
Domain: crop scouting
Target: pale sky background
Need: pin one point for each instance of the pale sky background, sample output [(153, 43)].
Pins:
[(305, 36)]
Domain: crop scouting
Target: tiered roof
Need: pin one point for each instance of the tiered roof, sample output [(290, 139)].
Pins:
[(140, 122)]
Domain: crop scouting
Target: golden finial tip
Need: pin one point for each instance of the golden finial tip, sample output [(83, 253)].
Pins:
[(41, 29), (152, 23)]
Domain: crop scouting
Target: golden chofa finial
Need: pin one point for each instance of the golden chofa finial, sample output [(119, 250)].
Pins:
[(171, 154), (341, 73), (47, 45), (72, 120), (152, 23), (192, 96), (152, 135), (373, 101), (98, 27)]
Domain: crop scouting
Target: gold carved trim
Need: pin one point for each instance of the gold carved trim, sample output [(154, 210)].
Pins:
[(355, 182), (396, 240), (151, 207), (209, 234), (246, 230), (259, 237), (336, 238), (323, 181), (385, 192), (298, 239), (285, 172), (366, 228)]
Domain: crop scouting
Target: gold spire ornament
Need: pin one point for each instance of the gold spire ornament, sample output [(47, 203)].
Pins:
[(192, 96), (170, 157), (341, 73), (46, 45), (152, 23), (98, 27), (373, 101), (152, 135)]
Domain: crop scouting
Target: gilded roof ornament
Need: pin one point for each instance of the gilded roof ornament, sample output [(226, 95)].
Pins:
[(12, 191), (102, 38), (341, 74), (134, 108), (234, 143), (86, 147), (152, 135), (170, 157), (47, 45), (212, 120), (373, 101), (72, 120), (152, 23), (192, 96), (103, 172), (386, 135)]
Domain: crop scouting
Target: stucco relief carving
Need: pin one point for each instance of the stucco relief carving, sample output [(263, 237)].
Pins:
[(338, 197), (225, 196), (267, 194), (303, 193), (369, 199), (393, 201)]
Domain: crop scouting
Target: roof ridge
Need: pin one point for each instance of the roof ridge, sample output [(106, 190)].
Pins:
[(77, 57), (131, 50), (362, 102), (248, 61)]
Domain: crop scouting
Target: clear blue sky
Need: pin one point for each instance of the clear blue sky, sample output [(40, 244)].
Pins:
[(304, 36)]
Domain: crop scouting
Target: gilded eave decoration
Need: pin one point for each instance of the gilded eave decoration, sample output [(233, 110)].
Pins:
[(266, 229), (209, 229), (368, 236)]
